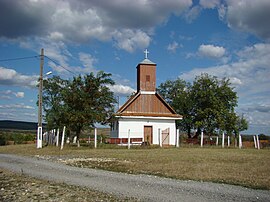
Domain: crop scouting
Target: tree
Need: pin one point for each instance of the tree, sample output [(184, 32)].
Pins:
[(53, 104), (79, 103), (88, 101), (206, 105), (240, 124), (177, 94), (214, 103)]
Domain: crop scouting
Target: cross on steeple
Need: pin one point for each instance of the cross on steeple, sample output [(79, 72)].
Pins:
[(146, 53)]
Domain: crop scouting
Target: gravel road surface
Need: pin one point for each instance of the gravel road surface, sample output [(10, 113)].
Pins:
[(142, 187)]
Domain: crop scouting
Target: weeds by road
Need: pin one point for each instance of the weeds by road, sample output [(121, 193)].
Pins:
[(16, 187)]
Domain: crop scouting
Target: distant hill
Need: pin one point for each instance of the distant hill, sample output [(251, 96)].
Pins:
[(17, 125)]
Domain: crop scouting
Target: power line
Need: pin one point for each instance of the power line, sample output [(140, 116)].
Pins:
[(60, 65), (21, 58), (36, 56)]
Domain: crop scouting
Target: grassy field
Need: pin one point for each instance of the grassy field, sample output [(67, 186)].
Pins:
[(245, 167)]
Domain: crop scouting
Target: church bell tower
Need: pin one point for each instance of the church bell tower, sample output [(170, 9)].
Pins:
[(146, 75)]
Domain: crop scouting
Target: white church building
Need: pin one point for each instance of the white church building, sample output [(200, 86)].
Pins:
[(146, 116)]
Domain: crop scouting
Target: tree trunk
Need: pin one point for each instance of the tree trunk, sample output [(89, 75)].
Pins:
[(189, 132), (78, 138), (235, 140), (197, 133)]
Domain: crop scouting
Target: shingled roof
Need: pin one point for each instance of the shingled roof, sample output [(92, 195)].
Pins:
[(147, 104)]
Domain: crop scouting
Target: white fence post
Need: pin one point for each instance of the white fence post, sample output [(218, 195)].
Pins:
[(39, 138), (258, 142), (223, 139), (74, 139), (177, 137), (57, 137), (160, 138), (95, 138), (128, 138), (63, 138), (54, 137), (202, 139), (217, 141), (229, 143), (240, 141), (255, 141)]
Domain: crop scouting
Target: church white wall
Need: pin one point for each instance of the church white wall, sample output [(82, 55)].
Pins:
[(136, 127)]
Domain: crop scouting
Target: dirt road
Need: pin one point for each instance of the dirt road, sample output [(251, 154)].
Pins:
[(142, 187)]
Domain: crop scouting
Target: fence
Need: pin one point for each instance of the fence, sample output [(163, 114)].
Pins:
[(124, 140), (246, 141)]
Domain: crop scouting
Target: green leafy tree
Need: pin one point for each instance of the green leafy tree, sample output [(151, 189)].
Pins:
[(206, 105), (240, 124), (88, 101), (53, 104), (79, 103), (214, 103), (177, 94)]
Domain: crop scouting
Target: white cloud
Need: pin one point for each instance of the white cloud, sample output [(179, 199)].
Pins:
[(19, 94), (264, 108), (222, 10), (7, 115), (81, 21), (211, 51), (244, 15), (13, 78), (87, 59), (16, 106), (250, 16), (130, 40), (88, 62), (5, 97), (6, 94), (192, 13), (173, 46), (209, 3), (33, 115), (121, 90)]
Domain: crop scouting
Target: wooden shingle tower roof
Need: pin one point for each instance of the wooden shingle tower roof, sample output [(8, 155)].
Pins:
[(147, 102)]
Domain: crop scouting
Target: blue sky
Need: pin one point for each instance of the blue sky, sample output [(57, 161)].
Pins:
[(224, 38)]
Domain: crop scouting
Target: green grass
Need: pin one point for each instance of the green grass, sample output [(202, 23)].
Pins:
[(245, 167)]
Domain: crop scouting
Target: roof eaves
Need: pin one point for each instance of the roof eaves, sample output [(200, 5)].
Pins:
[(166, 104), (131, 99)]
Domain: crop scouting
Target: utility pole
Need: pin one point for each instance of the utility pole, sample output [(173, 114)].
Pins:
[(39, 132), (40, 88), (118, 102)]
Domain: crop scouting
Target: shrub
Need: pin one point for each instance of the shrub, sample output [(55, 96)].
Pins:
[(2, 140)]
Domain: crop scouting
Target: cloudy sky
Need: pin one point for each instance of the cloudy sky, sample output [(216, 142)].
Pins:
[(225, 38)]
